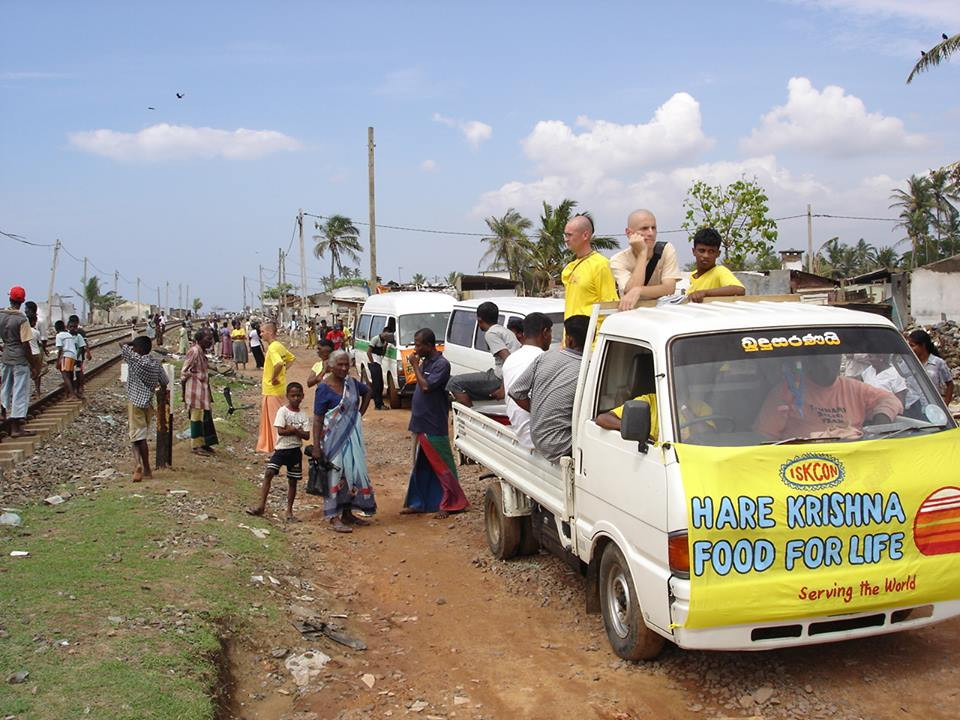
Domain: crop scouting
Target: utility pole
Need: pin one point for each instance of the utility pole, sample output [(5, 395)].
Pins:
[(166, 298), (810, 262), (86, 310), (158, 298), (188, 295), (303, 271), (261, 289), (116, 280), (180, 300), (373, 212), (138, 297), (280, 285), (244, 306), (53, 273)]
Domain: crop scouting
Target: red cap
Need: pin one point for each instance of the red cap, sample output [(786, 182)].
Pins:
[(18, 294)]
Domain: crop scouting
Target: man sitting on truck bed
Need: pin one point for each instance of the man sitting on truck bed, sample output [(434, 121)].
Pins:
[(710, 279), (818, 403), (547, 390), (468, 387)]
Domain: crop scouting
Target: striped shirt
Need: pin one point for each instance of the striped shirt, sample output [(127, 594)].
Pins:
[(196, 390), (550, 383)]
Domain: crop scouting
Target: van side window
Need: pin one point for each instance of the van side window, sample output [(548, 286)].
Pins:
[(363, 328), (627, 372), (479, 341), (462, 324), (377, 324)]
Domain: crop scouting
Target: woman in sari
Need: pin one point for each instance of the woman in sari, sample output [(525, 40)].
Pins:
[(226, 344), (338, 406), (238, 336), (184, 339)]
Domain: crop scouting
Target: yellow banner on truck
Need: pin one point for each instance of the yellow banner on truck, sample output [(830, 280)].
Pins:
[(781, 532)]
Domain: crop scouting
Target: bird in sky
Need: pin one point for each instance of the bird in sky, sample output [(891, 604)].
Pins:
[(150, 107), (923, 53), (944, 36), (180, 96)]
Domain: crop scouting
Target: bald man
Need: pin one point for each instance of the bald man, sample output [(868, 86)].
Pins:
[(635, 279), (587, 279)]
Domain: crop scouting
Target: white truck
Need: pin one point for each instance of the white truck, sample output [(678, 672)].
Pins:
[(710, 535)]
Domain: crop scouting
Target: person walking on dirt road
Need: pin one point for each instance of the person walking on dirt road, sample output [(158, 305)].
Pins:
[(433, 486), (273, 386)]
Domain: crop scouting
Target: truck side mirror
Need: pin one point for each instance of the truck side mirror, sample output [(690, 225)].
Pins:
[(635, 423)]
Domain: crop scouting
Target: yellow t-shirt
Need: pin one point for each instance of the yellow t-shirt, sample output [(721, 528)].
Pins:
[(587, 280), (238, 334), (651, 399), (320, 368), (716, 277), (276, 354)]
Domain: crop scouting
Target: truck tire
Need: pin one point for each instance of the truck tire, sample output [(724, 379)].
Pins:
[(503, 533), (629, 636), (529, 544), (393, 395)]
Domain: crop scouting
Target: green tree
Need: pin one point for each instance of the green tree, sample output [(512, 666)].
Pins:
[(887, 258), (418, 279), (915, 204), (339, 238), (452, 277), (91, 293), (197, 304), (934, 56), (766, 259), (278, 291), (508, 245), (943, 189), (738, 212)]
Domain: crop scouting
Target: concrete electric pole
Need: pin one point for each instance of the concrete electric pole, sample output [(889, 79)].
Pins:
[(373, 212)]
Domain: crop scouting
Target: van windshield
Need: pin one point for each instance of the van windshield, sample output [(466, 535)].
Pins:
[(409, 324), (801, 385)]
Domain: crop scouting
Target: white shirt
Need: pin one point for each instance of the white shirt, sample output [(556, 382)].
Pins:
[(513, 367), (254, 338), (889, 379), (68, 342), (289, 419)]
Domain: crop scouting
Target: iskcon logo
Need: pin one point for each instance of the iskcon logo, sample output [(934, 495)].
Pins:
[(812, 471)]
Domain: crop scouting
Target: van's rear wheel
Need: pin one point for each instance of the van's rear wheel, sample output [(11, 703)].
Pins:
[(393, 395), (629, 636), (503, 533), (529, 545)]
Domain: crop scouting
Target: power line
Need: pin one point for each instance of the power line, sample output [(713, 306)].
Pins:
[(23, 240)]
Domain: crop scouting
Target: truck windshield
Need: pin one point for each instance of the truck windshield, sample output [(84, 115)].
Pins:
[(409, 324), (801, 385)]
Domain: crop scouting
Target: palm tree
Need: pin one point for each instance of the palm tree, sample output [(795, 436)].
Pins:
[(339, 238), (418, 279), (943, 189), (864, 256), (886, 258), (91, 294), (914, 203), (452, 277), (935, 55), (509, 247), (197, 304)]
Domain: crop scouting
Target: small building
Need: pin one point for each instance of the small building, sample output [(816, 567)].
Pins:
[(791, 259), (485, 285), (935, 291)]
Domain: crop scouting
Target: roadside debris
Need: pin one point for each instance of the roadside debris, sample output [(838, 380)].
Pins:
[(306, 666), (54, 500), (312, 629), (10, 519)]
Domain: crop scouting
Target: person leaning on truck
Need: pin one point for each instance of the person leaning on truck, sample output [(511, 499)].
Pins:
[(648, 269), (710, 279), (547, 390), (468, 387)]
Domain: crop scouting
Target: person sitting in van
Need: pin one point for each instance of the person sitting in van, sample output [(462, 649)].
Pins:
[(468, 387), (817, 402), (515, 325), (610, 420), (547, 388), (710, 279), (375, 353), (881, 373)]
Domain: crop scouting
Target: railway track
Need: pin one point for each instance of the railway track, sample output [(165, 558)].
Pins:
[(52, 410)]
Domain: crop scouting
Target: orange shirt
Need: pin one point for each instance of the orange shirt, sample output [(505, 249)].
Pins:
[(846, 403)]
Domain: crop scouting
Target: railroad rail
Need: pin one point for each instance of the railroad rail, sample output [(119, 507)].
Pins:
[(51, 411)]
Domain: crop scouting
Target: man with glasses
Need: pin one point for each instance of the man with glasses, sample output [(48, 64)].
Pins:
[(587, 279)]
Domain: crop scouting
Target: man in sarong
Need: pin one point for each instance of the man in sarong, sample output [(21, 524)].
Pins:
[(273, 385), (434, 486), (197, 393)]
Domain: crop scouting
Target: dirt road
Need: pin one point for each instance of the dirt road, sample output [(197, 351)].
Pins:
[(453, 633)]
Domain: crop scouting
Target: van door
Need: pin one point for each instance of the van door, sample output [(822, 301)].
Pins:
[(620, 491), (458, 349)]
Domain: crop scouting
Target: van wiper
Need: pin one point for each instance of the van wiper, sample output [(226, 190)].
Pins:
[(908, 429), (801, 439)]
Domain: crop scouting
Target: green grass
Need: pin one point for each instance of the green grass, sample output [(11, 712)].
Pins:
[(100, 557)]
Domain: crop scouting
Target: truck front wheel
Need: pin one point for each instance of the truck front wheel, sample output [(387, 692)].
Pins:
[(629, 636), (503, 533)]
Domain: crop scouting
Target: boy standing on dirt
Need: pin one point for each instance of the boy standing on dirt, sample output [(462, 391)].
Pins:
[(293, 427), (145, 375)]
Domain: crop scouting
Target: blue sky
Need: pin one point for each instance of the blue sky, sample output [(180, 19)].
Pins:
[(477, 107)]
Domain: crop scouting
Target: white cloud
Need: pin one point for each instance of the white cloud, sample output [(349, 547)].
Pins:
[(933, 13), (167, 142), (474, 131), (674, 133), (831, 122), (428, 165)]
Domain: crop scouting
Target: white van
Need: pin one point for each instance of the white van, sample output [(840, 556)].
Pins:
[(409, 311), (742, 525), (466, 349)]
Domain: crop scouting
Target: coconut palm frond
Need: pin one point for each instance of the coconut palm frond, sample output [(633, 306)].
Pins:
[(934, 56)]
